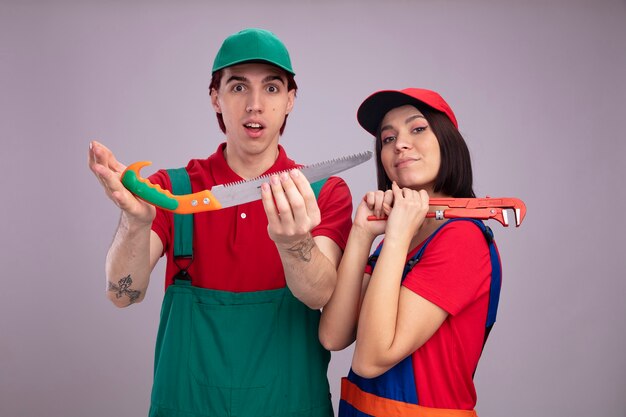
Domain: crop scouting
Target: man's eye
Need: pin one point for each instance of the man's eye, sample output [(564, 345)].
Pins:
[(238, 88), (272, 89)]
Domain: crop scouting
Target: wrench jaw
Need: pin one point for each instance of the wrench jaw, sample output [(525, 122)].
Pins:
[(505, 218), (484, 208), (520, 211), (518, 207)]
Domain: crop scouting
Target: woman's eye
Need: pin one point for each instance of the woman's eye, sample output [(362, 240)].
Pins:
[(419, 129), (388, 139)]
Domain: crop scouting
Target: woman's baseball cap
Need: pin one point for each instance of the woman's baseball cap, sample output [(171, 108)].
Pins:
[(252, 45), (372, 111)]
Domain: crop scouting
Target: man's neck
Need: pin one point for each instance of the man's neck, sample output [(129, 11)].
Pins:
[(249, 166)]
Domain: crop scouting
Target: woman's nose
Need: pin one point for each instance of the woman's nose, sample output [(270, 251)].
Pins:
[(402, 142)]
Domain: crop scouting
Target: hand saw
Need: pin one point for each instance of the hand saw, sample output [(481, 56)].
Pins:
[(226, 195)]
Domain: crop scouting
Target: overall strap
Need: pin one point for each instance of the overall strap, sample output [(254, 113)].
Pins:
[(317, 187), (183, 223)]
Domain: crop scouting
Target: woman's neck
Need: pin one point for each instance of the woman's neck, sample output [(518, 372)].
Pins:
[(429, 225)]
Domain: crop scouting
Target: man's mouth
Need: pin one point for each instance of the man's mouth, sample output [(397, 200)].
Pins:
[(257, 126)]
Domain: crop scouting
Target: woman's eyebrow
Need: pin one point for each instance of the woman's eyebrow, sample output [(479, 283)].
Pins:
[(385, 127), (415, 116), (407, 121)]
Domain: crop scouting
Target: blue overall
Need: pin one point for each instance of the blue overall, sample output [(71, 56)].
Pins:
[(398, 383)]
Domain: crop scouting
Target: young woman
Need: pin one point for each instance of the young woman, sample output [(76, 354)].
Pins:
[(420, 307)]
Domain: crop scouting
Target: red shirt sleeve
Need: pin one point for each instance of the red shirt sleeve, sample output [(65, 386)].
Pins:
[(454, 268), (335, 203)]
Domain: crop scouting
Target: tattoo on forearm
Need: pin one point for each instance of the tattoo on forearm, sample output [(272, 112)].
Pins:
[(123, 288), (303, 249)]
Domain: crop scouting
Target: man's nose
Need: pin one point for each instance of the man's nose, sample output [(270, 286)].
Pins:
[(254, 102)]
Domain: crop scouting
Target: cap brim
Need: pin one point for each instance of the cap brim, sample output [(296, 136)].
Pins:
[(252, 61), (374, 108)]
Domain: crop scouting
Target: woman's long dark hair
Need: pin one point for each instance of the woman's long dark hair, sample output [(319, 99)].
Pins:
[(455, 173)]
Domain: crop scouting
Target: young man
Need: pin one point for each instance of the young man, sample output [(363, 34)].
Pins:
[(244, 285)]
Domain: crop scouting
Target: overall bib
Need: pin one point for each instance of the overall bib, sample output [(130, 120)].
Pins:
[(394, 393), (222, 353)]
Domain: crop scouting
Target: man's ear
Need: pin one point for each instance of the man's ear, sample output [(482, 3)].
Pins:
[(291, 100), (215, 101)]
